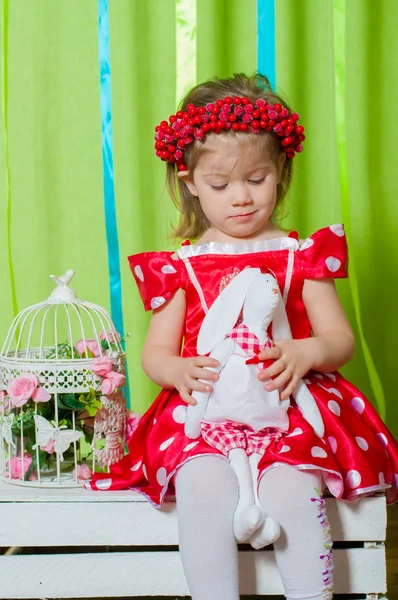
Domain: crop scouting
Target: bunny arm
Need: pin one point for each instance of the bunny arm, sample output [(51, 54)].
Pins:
[(309, 408), (303, 397), (195, 414)]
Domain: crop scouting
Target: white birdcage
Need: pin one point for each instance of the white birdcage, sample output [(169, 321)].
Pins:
[(61, 370)]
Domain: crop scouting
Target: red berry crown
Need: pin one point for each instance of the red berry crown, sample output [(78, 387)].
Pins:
[(238, 114)]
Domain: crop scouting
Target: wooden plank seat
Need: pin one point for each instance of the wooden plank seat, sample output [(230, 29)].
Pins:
[(81, 544)]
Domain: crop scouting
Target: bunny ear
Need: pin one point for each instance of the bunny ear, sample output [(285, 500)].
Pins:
[(266, 270), (280, 324), (224, 311)]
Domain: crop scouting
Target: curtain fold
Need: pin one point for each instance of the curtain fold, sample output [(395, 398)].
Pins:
[(54, 147)]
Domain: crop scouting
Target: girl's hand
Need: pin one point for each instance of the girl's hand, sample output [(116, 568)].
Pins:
[(293, 359), (187, 373)]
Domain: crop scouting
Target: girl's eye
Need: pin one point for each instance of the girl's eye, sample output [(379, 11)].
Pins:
[(219, 187), (256, 181)]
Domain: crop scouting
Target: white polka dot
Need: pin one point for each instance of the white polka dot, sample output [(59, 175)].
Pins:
[(333, 444), (382, 438), (307, 381), (190, 446), (157, 301), (362, 443), (166, 444), (331, 376), (161, 476), (168, 269), (358, 404), (104, 484), (180, 413), (382, 480), (284, 449), (337, 229), (318, 452), (154, 421), (333, 263), (295, 432), (136, 466), (331, 391), (307, 244), (145, 472), (323, 387), (353, 479), (336, 393), (139, 273), (334, 407), (318, 375)]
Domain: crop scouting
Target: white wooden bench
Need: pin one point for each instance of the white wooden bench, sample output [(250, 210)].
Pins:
[(114, 544)]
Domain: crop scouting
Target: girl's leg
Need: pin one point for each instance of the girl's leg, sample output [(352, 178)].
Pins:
[(207, 494), (303, 551)]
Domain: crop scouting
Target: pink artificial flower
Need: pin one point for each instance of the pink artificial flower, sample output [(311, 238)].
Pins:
[(132, 420), (25, 386), (112, 336), (14, 467), (92, 345), (49, 447), (83, 472), (111, 381), (102, 366)]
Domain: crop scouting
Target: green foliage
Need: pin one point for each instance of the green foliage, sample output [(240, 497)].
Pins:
[(62, 351), (90, 402)]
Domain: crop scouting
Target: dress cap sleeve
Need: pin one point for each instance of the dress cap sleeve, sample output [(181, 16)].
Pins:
[(157, 275), (325, 254)]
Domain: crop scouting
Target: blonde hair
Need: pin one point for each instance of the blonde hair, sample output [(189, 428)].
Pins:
[(192, 221)]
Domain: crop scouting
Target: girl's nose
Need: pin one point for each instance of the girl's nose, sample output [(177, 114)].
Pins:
[(241, 196)]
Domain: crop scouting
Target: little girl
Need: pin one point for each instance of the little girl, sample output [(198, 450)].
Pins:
[(229, 153)]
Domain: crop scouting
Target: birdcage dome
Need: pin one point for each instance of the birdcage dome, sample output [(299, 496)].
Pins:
[(62, 363)]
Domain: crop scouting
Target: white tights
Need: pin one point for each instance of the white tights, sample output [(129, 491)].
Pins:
[(207, 494)]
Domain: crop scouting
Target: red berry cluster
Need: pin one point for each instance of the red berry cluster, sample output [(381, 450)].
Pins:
[(238, 114)]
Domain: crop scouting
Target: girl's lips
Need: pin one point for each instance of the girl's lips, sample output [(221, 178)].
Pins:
[(243, 216)]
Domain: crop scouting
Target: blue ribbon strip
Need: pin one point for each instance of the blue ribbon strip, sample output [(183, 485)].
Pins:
[(107, 163), (266, 62)]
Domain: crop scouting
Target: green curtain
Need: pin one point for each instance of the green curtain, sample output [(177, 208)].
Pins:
[(57, 218)]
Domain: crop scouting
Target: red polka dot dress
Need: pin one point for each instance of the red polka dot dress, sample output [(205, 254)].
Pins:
[(357, 455)]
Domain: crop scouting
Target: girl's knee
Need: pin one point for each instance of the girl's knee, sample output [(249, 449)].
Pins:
[(208, 479)]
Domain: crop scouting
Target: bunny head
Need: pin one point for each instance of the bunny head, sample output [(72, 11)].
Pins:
[(259, 296), (261, 300)]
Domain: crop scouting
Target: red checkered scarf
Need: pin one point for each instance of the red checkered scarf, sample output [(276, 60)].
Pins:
[(247, 340)]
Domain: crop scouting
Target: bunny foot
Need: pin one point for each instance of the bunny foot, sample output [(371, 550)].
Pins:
[(265, 535), (246, 522)]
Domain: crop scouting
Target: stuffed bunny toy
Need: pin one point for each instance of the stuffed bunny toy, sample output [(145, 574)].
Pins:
[(239, 397)]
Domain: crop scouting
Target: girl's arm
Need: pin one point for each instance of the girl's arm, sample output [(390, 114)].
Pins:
[(331, 346), (333, 343), (161, 358)]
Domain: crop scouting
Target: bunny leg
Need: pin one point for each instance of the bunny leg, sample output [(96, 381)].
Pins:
[(269, 530), (309, 408), (195, 414), (247, 515)]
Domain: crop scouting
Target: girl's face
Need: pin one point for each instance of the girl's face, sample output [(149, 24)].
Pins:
[(236, 186)]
